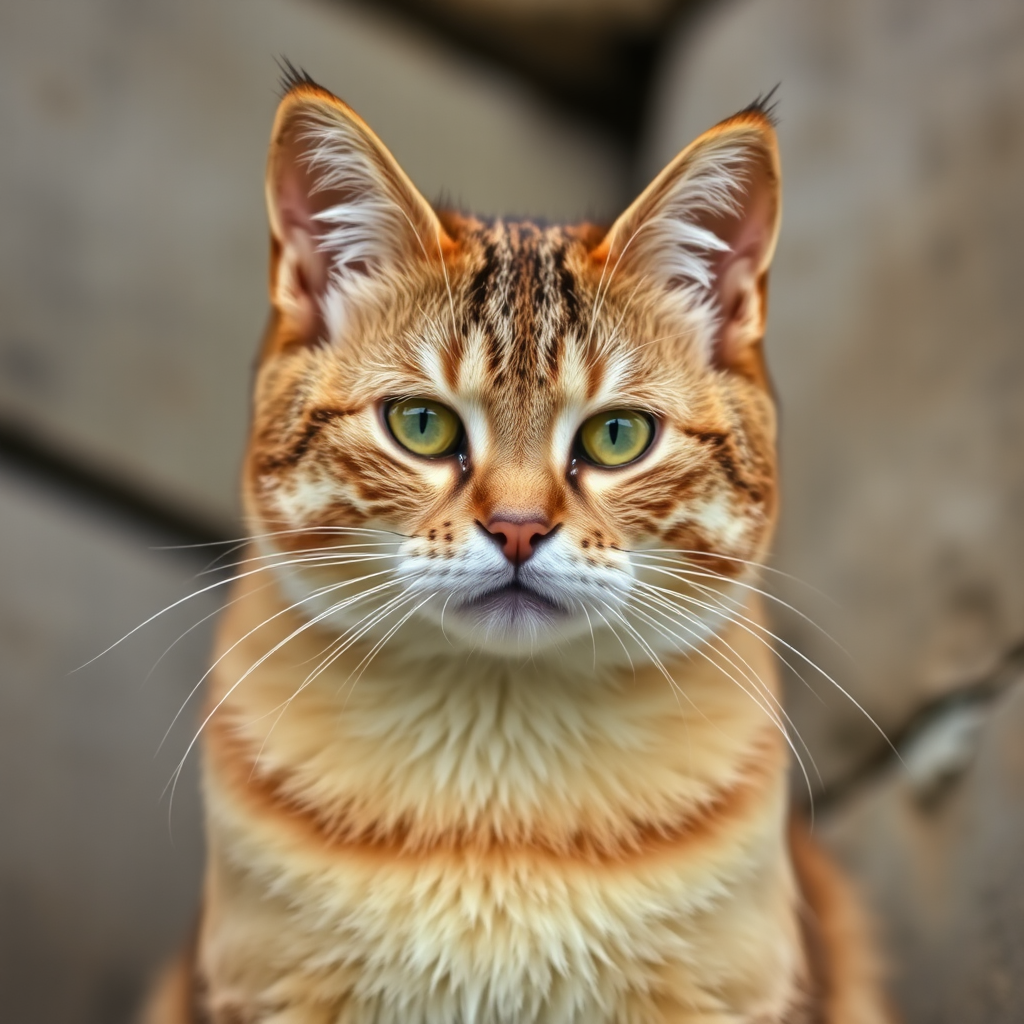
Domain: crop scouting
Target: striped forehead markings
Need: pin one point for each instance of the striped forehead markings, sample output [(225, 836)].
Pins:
[(523, 297)]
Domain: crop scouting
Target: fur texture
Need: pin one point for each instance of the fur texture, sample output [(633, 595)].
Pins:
[(445, 786)]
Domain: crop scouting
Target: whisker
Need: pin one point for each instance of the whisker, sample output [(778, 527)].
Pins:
[(352, 635), (325, 651), (656, 661), (331, 531), (699, 649), (173, 781), (365, 663), (249, 538), (662, 602), (176, 774), (730, 614), (196, 625), (593, 640), (817, 668), (332, 609), (703, 573), (443, 607), (615, 634), (675, 688), (164, 611), (759, 566), (337, 606), (749, 673), (189, 597), (376, 615), (768, 711), (308, 556)]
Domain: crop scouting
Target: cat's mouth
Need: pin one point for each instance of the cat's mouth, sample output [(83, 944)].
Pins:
[(512, 602)]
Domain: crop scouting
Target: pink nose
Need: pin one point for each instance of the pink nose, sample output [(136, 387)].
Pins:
[(517, 540)]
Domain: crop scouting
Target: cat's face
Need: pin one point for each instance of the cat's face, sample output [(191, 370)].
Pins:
[(519, 434)]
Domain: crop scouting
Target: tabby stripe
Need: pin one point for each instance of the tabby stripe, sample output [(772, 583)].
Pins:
[(266, 797)]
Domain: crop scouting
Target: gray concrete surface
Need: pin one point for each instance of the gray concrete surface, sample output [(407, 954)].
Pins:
[(937, 849), (896, 333), (134, 249), (97, 882)]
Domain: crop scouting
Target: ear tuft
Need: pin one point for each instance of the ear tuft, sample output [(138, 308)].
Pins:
[(766, 105), (293, 77)]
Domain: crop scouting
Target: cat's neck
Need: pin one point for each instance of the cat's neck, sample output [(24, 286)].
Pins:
[(476, 749)]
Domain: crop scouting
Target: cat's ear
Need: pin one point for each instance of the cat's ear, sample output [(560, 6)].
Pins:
[(344, 217), (705, 231)]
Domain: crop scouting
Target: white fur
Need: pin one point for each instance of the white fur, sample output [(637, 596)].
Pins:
[(675, 250), (371, 230), (711, 185)]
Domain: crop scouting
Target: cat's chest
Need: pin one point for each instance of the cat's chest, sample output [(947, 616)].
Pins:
[(455, 852), (509, 935)]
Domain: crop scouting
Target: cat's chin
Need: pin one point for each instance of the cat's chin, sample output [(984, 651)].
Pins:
[(512, 614), (512, 603)]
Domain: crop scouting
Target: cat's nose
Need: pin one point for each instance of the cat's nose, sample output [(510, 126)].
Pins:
[(517, 540)]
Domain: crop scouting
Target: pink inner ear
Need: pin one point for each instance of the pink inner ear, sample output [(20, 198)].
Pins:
[(738, 300), (738, 273), (301, 234), (302, 270)]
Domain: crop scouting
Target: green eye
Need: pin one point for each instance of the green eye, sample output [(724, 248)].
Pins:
[(424, 427), (616, 437)]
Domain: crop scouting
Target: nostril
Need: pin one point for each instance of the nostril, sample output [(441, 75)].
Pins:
[(517, 540), (539, 534)]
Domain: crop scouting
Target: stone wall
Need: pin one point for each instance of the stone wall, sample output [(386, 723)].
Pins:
[(133, 264), (133, 258), (132, 280), (896, 338), (98, 878)]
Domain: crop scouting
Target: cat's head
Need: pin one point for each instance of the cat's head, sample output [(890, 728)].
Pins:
[(519, 434)]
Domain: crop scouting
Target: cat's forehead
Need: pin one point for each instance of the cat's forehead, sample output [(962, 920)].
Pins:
[(526, 299), (523, 292)]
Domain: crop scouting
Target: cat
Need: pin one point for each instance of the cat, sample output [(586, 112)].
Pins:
[(493, 732)]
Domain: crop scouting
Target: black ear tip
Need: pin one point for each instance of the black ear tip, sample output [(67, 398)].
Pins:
[(766, 105), (292, 77)]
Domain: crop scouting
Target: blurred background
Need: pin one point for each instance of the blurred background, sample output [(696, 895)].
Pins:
[(132, 291)]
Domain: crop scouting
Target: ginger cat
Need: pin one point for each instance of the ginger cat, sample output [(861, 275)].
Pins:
[(493, 734)]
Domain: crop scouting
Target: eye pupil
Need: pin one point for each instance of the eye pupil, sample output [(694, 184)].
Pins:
[(616, 437), (424, 427)]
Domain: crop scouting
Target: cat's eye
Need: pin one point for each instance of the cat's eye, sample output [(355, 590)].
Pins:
[(616, 437), (424, 427)]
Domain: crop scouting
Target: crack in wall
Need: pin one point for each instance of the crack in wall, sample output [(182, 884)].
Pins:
[(969, 703)]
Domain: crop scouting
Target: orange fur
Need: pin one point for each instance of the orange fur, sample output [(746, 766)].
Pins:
[(447, 783)]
